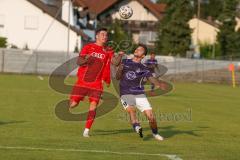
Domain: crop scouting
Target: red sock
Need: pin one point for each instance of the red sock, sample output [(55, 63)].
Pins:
[(90, 119)]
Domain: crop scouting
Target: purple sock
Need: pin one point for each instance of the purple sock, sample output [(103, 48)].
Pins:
[(154, 130), (135, 125)]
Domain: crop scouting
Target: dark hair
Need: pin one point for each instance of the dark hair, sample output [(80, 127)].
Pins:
[(101, 29), (144, 47)]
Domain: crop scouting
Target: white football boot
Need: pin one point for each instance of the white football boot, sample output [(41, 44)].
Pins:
[(158, 137), (86, 133)]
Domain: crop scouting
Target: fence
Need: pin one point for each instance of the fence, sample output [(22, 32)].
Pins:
[(179, 69), (32, 62), (200, 70)]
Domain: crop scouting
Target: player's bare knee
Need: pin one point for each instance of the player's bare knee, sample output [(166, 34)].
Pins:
[(72, 104), (93, 106), (131, 110)]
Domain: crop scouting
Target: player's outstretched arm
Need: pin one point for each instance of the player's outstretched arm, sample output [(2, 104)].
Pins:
[(119, 72), (158, 83), (116, 60)]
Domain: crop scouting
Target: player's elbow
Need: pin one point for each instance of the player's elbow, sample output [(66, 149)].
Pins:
[(118, 78), (118, 75)]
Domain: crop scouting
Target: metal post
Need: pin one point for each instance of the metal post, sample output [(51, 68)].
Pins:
[(175, 66), (196, 67), (198, 17), (36, 63), (202, 70), (69, 17), (3, 57)]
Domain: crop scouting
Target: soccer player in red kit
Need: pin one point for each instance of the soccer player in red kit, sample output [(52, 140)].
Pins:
[(94, 69)]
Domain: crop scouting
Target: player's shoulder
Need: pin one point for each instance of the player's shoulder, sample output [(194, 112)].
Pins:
[(90, 44), (144, 66), (109, 49), (126, 61)]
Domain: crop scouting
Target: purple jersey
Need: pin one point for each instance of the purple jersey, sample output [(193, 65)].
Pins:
[(132, 77)]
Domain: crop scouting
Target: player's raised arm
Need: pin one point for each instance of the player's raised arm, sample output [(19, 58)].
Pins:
[(119, 72), (116, 60)]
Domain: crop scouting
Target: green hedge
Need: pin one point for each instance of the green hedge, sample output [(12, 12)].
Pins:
[(210, 51), (3, 42)]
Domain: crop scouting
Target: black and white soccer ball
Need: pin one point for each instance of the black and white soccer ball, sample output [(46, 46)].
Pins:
[(125, 12)]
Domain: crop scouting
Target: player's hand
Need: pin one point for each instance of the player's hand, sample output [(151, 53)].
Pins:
[(89, 59), (163, 86), (121, 53), (87, 56)]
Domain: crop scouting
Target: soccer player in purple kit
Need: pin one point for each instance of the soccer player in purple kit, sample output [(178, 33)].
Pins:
[(131, 73)]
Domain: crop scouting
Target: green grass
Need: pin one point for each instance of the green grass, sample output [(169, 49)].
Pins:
[(27, 119)]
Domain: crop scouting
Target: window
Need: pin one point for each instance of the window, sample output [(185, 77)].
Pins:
[(147, 37), (2, 19), (153, 36), (31, 22), (50, 2), (143, 37)]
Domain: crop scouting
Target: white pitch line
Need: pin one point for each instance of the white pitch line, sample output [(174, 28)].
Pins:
[(169, 156)]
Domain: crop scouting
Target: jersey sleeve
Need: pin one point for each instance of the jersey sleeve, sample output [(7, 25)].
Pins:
[(147, 72), (146, 62)]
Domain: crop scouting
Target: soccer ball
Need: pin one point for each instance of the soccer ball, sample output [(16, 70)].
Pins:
[(125, 12)]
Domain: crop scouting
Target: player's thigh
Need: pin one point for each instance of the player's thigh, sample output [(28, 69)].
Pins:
[(142, 103), (94, 96), (128, 101), (78, 93)]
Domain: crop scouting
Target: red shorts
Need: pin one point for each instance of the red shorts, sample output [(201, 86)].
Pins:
[(78, 94)]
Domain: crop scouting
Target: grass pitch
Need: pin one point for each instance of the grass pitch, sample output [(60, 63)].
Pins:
[(199, 121)]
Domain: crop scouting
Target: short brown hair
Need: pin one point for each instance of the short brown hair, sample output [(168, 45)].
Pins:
[(144, 47), (101, 29)]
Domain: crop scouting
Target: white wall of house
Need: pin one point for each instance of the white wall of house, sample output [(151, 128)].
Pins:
[(202, 31), (139, 12), (238, 23), (65, 11), (23, 23)]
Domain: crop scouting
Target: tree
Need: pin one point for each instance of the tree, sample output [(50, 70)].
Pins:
[(174, 35), (228, 38), (121, 38), (208, 8)]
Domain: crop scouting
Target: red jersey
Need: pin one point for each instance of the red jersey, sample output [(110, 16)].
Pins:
[(92, 74)]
